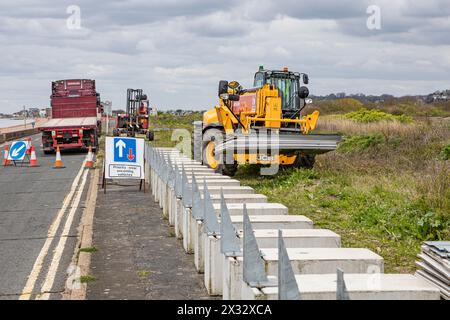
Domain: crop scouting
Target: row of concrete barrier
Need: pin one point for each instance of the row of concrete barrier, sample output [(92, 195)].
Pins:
[(8, 136), (248, 248)]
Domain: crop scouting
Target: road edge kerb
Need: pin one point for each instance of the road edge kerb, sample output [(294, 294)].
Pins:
[(82, 260)]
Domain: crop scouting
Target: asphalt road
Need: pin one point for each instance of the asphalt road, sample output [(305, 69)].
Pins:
[(40, 209)]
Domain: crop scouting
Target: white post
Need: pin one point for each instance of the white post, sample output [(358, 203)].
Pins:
[(24, 118), (107, 123)]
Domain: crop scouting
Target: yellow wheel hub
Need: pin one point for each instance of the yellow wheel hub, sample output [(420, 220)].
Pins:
[(210, 155)]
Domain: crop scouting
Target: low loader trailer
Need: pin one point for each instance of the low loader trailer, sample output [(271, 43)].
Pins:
[(76, 116), (70, 133)]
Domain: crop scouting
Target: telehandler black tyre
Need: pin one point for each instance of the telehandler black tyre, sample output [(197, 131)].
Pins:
[(305, 161), (150, 135), (210, 137)]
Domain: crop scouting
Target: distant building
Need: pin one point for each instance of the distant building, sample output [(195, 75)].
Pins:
[(33, 112), (438, 96), (153, 111)]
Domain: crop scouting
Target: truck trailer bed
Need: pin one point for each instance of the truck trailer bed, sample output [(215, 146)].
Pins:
[(84, 122)]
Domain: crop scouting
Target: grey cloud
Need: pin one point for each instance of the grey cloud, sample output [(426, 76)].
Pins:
[(178, 50)]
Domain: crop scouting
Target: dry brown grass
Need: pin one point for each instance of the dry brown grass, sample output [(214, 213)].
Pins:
[(433, 185), (407, 158), (331, 124), (405, 146)]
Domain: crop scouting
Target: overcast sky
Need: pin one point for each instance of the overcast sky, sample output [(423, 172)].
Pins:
[(177, 51)]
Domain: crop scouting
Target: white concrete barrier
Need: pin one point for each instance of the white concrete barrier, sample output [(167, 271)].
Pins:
[(186, 222), (254, 208), (358, 286), (273, 221), (314, 267), (240, 198), (166, 192), (216, 181), (266, 238), (178, 211), (303, 261), (175, 215), (228, 189)]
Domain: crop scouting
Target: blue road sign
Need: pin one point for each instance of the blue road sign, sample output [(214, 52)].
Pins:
[(17, 150), (124, 150)]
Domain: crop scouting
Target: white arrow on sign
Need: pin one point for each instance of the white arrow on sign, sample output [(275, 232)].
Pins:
[(121, 145), (15, 152)]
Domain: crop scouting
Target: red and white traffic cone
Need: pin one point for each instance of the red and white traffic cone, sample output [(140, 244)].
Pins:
[(58, 160), (6, 162), (28, 146), (89, 159), (33, 158)]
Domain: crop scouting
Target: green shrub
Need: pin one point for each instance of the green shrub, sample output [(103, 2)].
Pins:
[(445, 153), (359, 143), (431, 226), (373, 115)]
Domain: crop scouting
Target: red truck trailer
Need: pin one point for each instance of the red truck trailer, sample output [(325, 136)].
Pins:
[(76, 116)]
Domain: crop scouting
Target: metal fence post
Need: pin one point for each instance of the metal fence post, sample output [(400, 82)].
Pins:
[(211, 224), (341, 289), (287, 284), (187, 191), (229, 242), (254, 272), (197, 205)]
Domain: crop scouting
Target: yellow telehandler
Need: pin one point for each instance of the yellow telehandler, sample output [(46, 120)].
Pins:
[(263, 125)]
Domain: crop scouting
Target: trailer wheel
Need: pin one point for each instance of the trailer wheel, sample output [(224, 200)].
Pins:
[(305, 161), (150, 135), (210, 138)]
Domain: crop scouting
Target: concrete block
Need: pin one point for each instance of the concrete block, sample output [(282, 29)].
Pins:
[(171, 205), (298, 238), (228, 189), (276, 221), (190, 166), (359, 287), (208, 176), (326, 260), (254, 209), (165, 201), (293, 238), (232, 275), (216, 181), (310, 261), (178, 220), (181, 161), (192, 233), (239, 198), (188, 244), (200, 171), (199, 240), (213, 265)]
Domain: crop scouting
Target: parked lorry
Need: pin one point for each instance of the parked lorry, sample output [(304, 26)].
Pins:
[(76, 116)]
